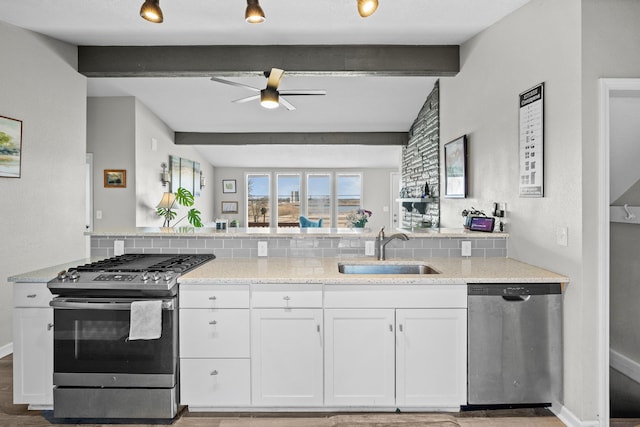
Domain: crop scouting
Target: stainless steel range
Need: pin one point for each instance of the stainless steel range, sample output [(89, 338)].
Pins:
[(102, 368)]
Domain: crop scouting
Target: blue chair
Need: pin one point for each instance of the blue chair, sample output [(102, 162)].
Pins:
[(306, 222)]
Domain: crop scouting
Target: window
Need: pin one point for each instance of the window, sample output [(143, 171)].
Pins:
[(348, 195), (319, 197), (258, 200), (288, 200)]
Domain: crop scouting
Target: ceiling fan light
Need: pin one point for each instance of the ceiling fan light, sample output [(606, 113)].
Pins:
[(151, 11), (254, 13), (269, 98), (367, 7)]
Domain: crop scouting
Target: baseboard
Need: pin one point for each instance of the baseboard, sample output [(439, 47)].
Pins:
[(624, 365), (569, 419), (6, 350)]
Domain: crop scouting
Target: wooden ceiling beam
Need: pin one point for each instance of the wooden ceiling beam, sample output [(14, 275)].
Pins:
[(274, 138), (199, 61)]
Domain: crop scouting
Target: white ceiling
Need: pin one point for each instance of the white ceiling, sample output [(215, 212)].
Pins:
[(352, 104)]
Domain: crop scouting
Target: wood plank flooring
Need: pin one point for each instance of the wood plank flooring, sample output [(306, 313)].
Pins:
[(19, 416)]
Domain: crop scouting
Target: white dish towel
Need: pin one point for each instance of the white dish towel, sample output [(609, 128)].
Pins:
[(146, 320)]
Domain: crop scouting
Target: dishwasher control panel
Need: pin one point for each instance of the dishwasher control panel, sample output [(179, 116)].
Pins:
[(513, 289)]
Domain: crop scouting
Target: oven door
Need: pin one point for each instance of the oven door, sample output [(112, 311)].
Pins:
[(92, 346)]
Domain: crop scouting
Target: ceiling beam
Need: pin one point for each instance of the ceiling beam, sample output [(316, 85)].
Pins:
[(317, 138), (199, 61)]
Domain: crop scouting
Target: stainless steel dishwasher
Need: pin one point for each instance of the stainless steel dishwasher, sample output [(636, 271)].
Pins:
[(514, 344)]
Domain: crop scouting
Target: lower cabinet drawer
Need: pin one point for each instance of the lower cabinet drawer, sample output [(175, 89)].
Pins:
[(214, 333), (215, 382)]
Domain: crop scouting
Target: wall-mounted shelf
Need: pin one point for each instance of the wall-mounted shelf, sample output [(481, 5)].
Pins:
[(419, 204), (417, 200)]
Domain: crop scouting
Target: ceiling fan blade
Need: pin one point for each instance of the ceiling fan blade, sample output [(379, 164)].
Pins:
[(303, 92), (287, 104), (232, 83), (274, 78), (247, 99)]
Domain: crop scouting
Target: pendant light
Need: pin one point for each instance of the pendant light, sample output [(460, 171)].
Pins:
[(151, 11), (254, 13), (367, 7)]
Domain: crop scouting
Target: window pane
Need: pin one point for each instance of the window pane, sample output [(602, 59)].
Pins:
[(349, 196), (258, 201), (319, 198), (288, 200)]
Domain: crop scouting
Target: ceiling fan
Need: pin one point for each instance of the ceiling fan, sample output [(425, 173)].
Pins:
[(270, 96)]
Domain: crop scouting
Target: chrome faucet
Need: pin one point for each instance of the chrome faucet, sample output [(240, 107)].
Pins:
[(381, 242)]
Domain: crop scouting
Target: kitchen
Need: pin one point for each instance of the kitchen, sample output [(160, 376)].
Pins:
[(479, 100)]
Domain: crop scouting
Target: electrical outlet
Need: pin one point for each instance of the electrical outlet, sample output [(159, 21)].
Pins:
[(98, 214), (262, 248), (118, 247), (466, 247), (562, 238), (369, 248)]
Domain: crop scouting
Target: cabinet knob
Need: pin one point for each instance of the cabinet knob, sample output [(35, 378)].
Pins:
[(213, 322), (287, 298), (400, 327), (390, 328), (214, 372), (49, 326), (213, 298), (32, 295)]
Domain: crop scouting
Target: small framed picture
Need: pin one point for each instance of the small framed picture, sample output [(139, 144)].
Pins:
[(115, 178), (10, 147), (229, 207), (455, 168), (228, 185)]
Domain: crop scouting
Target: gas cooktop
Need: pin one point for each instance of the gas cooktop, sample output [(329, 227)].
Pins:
[(129, 275)]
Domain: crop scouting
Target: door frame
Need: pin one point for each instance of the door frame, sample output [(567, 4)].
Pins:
[(606, 89)]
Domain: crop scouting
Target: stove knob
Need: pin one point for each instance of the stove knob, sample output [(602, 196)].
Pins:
[(145, 276), (73, 275), (156, 276), (168, 277), (62, 275)]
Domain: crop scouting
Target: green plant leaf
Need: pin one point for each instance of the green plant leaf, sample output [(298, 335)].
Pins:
[(184, 197), (194, 217)]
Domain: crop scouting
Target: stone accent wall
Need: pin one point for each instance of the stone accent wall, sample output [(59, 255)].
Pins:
[(229, 246), (421, 159)]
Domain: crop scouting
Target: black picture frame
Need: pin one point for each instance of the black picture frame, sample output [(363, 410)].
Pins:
[(229, 186), (455, 168)]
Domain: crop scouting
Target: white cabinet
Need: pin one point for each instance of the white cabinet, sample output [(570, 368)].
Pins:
[(411, 352), (286, 357), (359, 357), (286, 345), (214, 346), (32, 345), (431, 363)]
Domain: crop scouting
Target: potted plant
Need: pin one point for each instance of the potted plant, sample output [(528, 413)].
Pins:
[(166, 208)]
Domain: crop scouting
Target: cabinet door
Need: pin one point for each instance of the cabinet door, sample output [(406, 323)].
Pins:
[(33, 356), (286, 357), (359, 357), (215, 382), (431, 353)]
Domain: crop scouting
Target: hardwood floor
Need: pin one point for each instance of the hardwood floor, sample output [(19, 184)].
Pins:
[(19, 416)]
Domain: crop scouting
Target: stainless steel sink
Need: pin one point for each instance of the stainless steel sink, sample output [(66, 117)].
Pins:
[(372, 268)]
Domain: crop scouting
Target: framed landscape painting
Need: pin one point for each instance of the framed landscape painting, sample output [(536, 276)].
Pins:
[(455, 168), (115, 178), (10, 147)]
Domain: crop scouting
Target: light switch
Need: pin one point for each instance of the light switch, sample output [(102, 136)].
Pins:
[(98, 214), (369, 248), (562, 238), (118, 247), (466, 247)]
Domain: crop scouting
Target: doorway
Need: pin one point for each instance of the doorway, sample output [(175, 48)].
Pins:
[(620, 237)]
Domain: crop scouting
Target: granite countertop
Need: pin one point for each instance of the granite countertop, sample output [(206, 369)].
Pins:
[(48, 273), (292, 232), (325, 270)]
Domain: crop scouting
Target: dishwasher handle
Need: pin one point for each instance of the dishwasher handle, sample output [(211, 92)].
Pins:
[(516, 298)]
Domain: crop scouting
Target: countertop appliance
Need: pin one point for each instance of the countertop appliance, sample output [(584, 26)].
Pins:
[(99, 372), (514, 344)]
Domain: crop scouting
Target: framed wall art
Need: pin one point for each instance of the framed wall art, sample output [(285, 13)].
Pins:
[(228, 185), (455, 168), (184, 173), (229, 207), (10, 147), (531, 142), (115, 178)]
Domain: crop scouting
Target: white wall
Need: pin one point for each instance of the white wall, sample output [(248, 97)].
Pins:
[(42, 214), (111, 131), (149, 189), (538, 43), (375, 196)]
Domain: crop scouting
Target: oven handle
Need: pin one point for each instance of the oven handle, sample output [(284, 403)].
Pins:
[(76, 304)]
